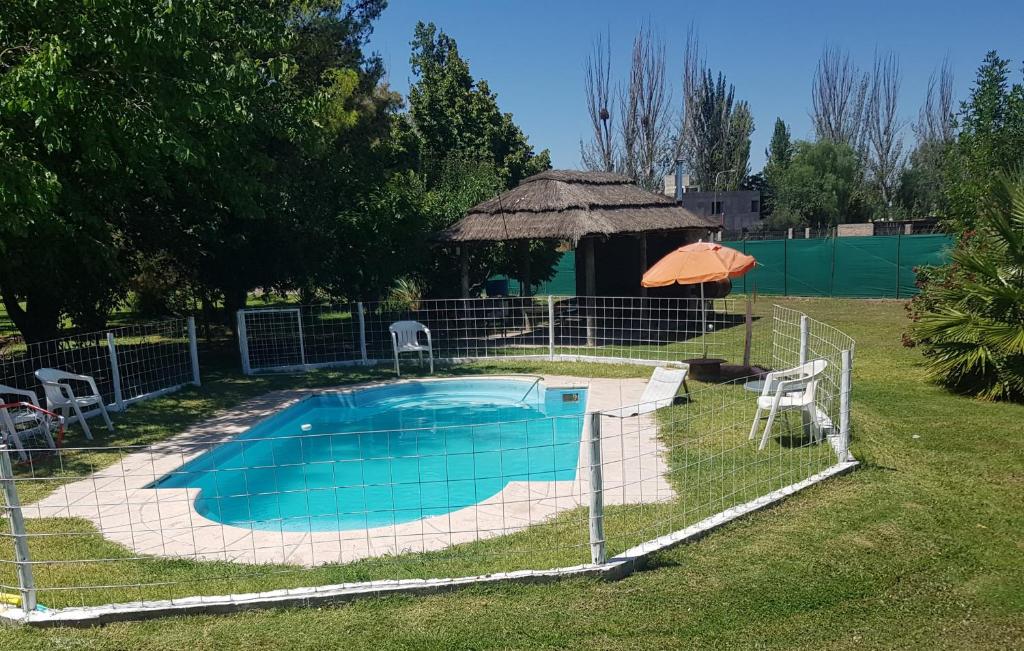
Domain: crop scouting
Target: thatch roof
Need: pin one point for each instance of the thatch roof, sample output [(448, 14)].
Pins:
[(570, 205)]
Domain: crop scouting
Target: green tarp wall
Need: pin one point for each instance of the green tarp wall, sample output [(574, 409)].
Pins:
[(563, 283), (863, 267)]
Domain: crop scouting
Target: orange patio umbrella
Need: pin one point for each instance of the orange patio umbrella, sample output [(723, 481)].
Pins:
[(700, 262)]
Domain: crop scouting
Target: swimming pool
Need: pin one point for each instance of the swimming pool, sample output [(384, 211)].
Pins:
[(387, 455)]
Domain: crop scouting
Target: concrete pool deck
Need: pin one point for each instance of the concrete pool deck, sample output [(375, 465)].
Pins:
[(163, 522)]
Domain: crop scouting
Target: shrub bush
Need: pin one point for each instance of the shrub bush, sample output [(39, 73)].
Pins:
[(969, 316)]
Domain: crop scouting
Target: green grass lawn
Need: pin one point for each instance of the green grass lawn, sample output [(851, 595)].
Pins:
[(921, 547)]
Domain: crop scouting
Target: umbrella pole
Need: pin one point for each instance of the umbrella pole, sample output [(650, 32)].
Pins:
[(703, 321)]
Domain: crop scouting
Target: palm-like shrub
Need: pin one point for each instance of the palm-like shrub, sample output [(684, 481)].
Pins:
[(969, 316)]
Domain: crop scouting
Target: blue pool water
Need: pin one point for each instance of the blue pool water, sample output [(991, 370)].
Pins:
[(387, 455)]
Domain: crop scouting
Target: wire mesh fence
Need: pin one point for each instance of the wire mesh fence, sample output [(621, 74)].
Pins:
[(128, 363), (555, 327), (361, 485)]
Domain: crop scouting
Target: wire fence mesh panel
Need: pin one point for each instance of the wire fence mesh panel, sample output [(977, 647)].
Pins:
[(637, 328), (456, 477), (274, 338), (707, 461), (84, 354), (261, 513), (151, 358), (644, 328), (465, 328)]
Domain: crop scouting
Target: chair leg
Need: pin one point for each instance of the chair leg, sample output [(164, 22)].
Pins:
[(757, 420), (398, 371), (106, 416), (811, 418), (16, 441), (430, 353), (767, 429), (48, 436), (81, 420)]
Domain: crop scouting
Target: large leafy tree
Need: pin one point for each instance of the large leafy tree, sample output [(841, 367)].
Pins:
[(969, 316), (821, 186), (465, 150), (454, 116), (990, 142), (210, 144), (106, 108)]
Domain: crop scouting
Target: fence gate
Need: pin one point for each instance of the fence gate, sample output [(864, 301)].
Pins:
[(271, 339)]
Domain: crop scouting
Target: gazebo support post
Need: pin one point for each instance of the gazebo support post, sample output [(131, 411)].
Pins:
[(589, 287), (464, 269), (643, 261)]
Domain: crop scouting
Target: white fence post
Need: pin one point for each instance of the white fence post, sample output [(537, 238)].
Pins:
[(22, 560), (551, 327), (302, 341), (362, 332), (597, 543), (845, 381), (115, 372), (805, 337), (193, 350), (243, 343)]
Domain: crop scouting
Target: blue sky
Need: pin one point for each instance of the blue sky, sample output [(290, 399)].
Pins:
[(532, 52)]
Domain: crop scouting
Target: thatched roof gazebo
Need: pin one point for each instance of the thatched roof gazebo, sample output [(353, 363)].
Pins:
[(578, 207)]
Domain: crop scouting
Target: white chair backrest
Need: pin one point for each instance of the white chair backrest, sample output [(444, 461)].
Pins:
[(811, 371), (661, 389), (405, 332), (51, 379), (22, 395), (49, 375)]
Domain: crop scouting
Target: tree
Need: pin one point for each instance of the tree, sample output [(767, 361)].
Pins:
[(969, 316), (820, 186), (777, 158), (454, 115), (184, 141), (882, 131), (466, 150), (714, 138), (103, 115), (599, 153), (646, 143), (990, 142), (838, 96), (921, 181)]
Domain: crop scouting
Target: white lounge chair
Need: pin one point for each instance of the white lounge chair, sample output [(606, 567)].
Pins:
[(21, 423), (405, 339), (791, 389), (61, 397), (660, 392)]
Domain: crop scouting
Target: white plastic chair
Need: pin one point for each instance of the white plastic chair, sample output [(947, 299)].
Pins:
[(660, 392), (19, 424), (61, 398), (791, 389), (405, 339)]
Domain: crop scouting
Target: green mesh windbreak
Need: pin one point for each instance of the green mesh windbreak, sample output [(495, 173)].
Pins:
[(809, 267), (920, 251), (563, 283), (865, 266), (862, 267), (769, 276)]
